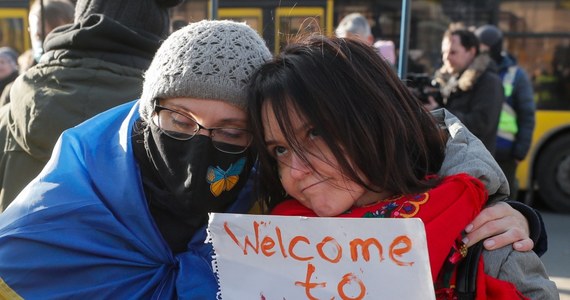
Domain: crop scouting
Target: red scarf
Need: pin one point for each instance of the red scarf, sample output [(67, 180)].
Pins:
[(490, 288), (453, 204)]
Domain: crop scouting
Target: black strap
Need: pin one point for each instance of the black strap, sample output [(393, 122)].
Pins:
[(466, 281)]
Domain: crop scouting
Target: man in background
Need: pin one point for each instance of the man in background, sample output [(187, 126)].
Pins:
[(517, 118), (87, 67), (469, 85), (355, 25), (55, 13)]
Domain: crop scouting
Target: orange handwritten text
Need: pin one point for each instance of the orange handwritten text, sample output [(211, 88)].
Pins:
[(300, 247), (269, 241), (308, 285), (346, 279), (407, 246)]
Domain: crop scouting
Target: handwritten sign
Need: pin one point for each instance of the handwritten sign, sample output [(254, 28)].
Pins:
[(276, 257)]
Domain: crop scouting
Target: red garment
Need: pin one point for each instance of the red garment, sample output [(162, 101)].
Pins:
[(492, 288), (453, 204)]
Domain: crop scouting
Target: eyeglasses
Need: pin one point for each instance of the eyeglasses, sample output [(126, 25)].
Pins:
[(180, 126)]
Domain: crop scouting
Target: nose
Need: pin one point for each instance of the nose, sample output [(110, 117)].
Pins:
[(204, 131), (298, 168)]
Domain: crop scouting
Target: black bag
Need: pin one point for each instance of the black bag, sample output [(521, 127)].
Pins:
[(466, 281)]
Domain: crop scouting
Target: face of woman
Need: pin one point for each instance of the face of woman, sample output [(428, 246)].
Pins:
[(322, 187)]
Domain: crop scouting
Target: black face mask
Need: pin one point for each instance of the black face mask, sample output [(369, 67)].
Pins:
[(196, 178), (182, 178)]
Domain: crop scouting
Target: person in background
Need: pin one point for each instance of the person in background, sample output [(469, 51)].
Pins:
[(8, 66), (334, 143), (387, 50), (469, 85), (177, 24), (56, 13), (87, 67), (121, 209), (355, 25), (516, 123)]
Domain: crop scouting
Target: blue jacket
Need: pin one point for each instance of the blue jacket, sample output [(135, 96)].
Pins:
[(82, 228), (521, 100)]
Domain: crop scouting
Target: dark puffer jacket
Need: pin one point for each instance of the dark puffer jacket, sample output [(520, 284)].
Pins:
[(88, 67), (476, 97), (522, 102)]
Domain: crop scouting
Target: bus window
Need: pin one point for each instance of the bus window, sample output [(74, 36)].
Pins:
[(13, 28), (189, 11), (251, 16), (292, 21)]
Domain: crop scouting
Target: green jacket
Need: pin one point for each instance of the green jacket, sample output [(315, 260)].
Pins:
[(70, 84), (42, 107)]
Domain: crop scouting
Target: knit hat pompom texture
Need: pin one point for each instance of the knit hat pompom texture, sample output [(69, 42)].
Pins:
[(204, 60)]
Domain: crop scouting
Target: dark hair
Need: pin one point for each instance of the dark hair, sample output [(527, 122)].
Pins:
[(361, 109), (467, 38)]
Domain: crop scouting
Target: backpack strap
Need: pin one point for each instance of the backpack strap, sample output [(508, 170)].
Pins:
[(466, 281)]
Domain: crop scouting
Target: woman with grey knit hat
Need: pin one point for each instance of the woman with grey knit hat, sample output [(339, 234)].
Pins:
[(120, 209)]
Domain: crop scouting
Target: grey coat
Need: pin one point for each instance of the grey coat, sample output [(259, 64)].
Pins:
[(466, 154)]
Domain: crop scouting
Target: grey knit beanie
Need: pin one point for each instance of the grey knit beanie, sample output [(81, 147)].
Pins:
[(205, 60), (143, 16)]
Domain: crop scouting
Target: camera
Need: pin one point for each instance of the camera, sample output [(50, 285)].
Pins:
[(423, 86)]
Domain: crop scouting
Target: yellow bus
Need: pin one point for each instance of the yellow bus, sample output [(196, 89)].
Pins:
[(543, 50), (14, 24), (275, 20), (546, 168)]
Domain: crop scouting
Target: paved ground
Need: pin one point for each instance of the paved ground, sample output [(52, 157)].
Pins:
[(557, 258)]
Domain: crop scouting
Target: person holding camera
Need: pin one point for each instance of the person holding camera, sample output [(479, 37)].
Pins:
[(469, 85)]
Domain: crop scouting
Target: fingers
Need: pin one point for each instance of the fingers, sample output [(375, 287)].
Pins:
[(521, 243), (499, 225), (488, 214), (524, 245)]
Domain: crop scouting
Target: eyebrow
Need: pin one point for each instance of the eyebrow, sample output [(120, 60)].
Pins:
[(297, 130)]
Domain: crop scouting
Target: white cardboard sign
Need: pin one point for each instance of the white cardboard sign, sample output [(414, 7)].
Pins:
[(276, 258)]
